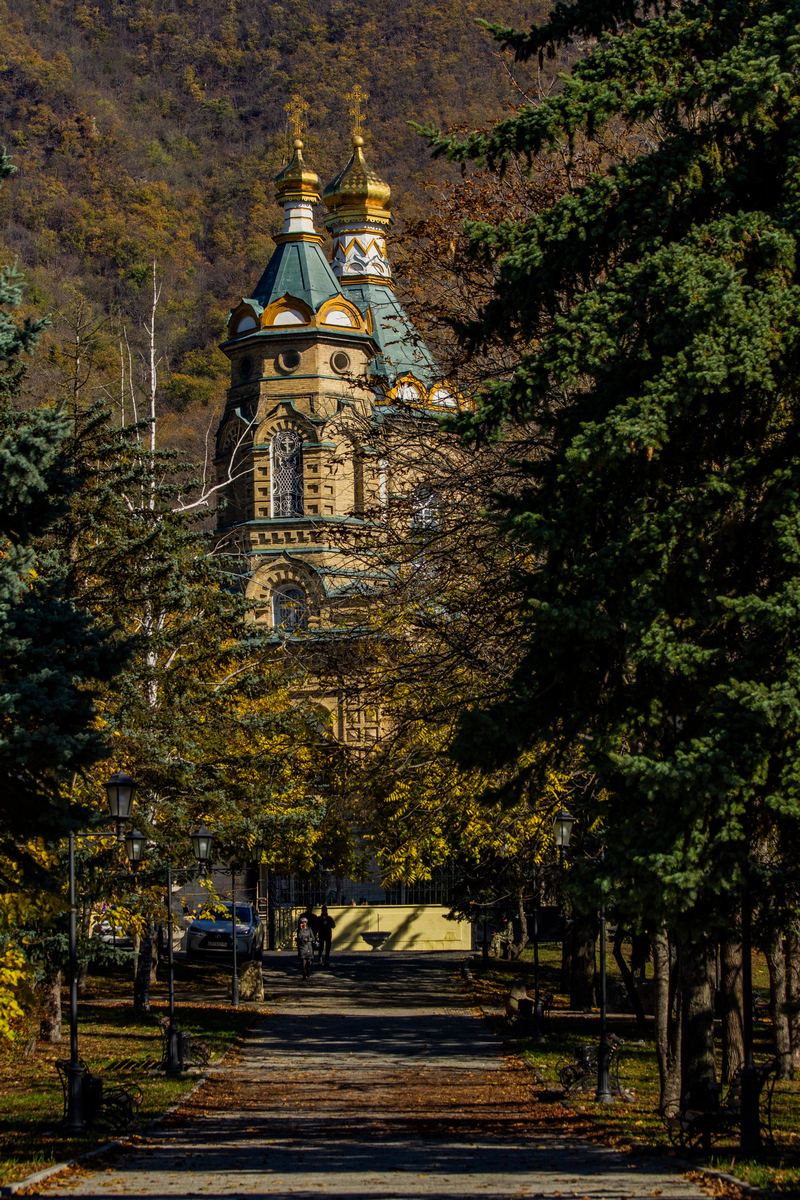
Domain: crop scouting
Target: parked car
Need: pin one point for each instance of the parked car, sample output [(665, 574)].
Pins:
[(111, 934), (211, 932)]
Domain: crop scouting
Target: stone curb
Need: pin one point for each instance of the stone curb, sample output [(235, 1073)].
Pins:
[(11, 1189), (749, 1189)]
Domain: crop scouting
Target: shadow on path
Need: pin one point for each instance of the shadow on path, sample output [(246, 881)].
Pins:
[(375, 1080)]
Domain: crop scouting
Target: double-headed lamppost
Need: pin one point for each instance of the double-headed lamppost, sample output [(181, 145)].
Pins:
[(120, 791), (201, 844), (135, 845)]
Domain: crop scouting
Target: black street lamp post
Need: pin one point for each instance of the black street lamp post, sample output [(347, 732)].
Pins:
[(750, 1131), (603, 1093), (562, 832), (231, 871), (538, 1012), (173, 1064), (120, 791), (563, 823), (74, 1125)]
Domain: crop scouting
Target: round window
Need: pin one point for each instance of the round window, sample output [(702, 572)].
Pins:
[(245, 368), (340, 362), (289, 360)]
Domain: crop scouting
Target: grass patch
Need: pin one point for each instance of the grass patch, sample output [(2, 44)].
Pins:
[(637, 1122), (116, 1043)]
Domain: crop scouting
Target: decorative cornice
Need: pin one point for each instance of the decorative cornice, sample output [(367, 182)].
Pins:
[(383, 280), (280, 238)]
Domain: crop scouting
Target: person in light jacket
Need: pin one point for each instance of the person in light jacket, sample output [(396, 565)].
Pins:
[(305, 946)]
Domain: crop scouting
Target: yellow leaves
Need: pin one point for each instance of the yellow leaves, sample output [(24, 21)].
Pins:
[(14, 984), (191, 85)]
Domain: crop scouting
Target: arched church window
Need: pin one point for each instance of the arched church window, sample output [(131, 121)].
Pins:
[(289, 610), (286, 461), (425, 505)]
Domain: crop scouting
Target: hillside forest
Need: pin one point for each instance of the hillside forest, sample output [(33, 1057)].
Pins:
[(149, 132)]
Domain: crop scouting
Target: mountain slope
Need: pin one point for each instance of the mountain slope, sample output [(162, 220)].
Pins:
[(150, 131)]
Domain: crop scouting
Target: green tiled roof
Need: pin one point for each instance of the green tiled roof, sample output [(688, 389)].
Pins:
[(402, 350), (302, 270)]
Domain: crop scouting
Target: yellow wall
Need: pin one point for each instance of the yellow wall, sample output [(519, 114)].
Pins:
[(412, 927)]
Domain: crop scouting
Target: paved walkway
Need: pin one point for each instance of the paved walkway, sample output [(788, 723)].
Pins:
[(376, 1080)]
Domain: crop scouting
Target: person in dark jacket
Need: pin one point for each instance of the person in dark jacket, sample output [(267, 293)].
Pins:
[(313, 920), (326, 926), (305, 946)]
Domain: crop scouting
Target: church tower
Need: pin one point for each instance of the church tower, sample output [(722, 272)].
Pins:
[(359, 217), (318, 353)]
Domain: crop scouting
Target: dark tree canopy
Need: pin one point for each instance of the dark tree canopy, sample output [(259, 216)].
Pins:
[(659, 305), (52, 652)]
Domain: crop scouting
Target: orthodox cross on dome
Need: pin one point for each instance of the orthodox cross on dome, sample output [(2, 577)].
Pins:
[(297, 109), (357, 98)]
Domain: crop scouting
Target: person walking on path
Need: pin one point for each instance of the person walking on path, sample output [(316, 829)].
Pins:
[(305, 946), (325, 930), (311, 918)]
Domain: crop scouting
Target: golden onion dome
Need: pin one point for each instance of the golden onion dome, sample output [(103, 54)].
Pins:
[(297, 181), (357, 191)]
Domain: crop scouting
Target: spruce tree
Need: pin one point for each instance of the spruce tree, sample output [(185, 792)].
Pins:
[(658, 307), (53, 654)]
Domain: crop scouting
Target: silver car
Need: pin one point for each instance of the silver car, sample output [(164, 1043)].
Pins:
[(211, 932)]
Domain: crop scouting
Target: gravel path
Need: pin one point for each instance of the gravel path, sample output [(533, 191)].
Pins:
[(374, 1079)]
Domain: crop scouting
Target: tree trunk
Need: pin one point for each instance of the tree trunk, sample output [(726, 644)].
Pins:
[(793, 991), (730, 953), (667, 1024), (581, 988), (141, 983), (697, 1000), (518, 947), (51, 1007), (776, 964), (627, 979)]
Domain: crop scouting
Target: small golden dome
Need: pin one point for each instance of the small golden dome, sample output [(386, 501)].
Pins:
[(297, 181), (357, 192)]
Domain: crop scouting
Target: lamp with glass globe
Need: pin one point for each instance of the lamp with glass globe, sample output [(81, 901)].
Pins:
[(135, 845), (202, 841), (120, 790), (562, 831)]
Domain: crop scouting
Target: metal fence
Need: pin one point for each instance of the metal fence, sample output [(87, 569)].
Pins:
[(297, 891)]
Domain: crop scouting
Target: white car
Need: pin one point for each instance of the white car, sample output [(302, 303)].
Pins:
[(210, 932)]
